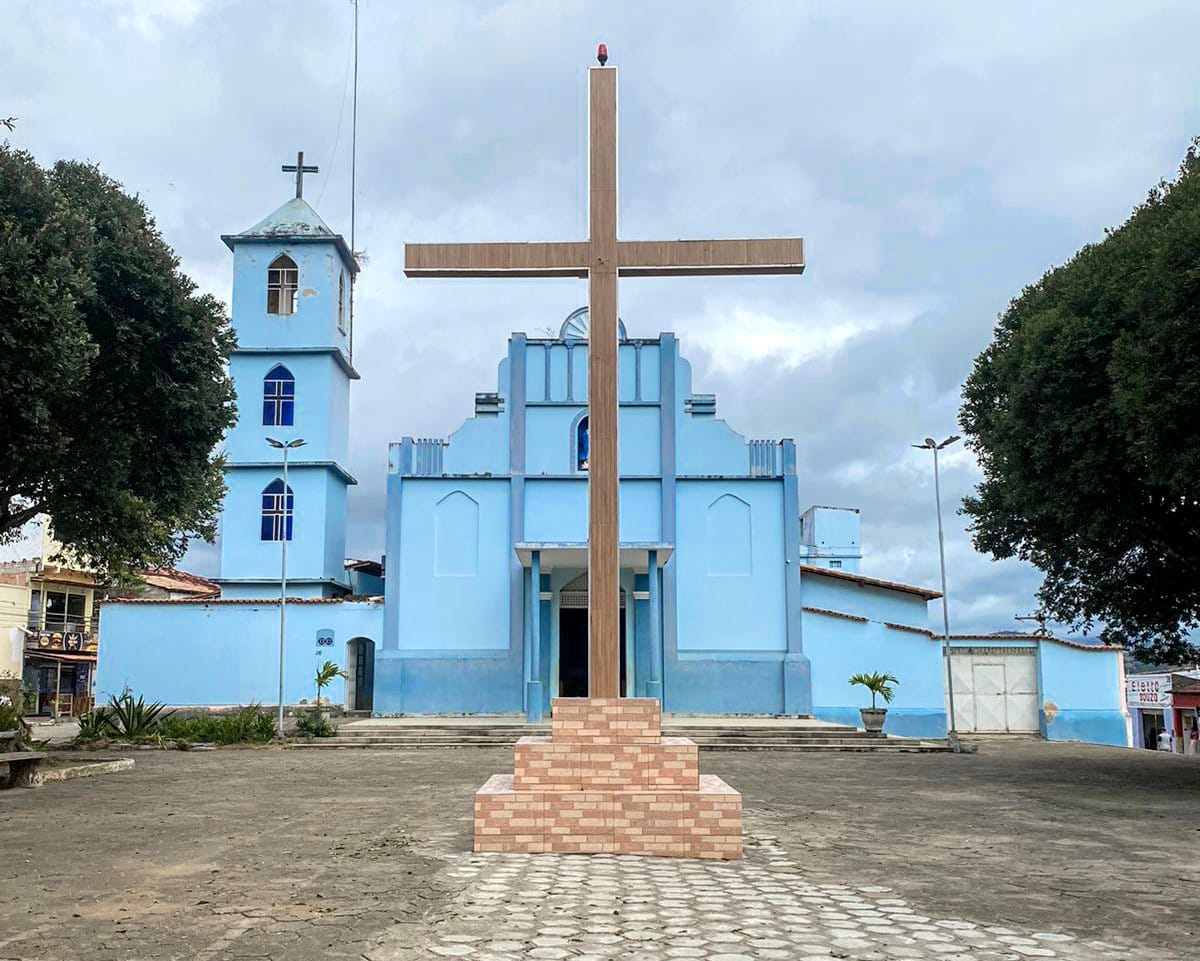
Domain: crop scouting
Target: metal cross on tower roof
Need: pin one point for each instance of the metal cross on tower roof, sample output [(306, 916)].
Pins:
[(300, 170)]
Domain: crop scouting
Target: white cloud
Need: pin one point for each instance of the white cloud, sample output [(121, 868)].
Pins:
[(736, 335), (936, 158)]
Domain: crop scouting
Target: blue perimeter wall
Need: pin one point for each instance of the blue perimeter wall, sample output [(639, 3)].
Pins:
[(194, 653), (1082, 695), (867, 633)]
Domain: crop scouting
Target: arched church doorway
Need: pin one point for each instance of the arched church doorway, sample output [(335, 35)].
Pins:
[(573, 639), (360, 674)]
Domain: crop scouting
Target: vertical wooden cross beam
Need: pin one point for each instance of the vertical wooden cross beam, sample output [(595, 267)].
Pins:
[(604, 600), (602, 259)]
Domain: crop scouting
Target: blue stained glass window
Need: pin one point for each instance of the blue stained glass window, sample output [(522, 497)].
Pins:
[(279, 397), (277, 511), (582, 446)]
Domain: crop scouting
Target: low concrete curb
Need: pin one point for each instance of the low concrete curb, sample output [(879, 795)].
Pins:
[(86, 769)]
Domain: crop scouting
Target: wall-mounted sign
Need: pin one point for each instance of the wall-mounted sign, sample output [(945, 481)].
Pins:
[(1148, 690), (324, 640)]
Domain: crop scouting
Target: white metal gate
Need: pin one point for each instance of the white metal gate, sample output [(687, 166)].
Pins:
[(995, 689)]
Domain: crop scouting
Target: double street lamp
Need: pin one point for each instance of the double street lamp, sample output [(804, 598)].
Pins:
[(931, 444), (284, 533)]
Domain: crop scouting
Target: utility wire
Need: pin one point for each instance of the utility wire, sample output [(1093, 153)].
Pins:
[(337, 136), (353, 173)]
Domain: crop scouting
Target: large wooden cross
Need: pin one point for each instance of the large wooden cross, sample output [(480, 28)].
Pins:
[(601, 259)]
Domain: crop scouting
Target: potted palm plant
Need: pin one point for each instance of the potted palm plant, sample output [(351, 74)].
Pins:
[(327, 673), (880, 685)]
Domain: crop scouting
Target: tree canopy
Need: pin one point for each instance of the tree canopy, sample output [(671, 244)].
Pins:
[(1084, 413), (113, 384)]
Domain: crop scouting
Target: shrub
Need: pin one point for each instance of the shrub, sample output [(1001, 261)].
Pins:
[(123, 717), (132, 719), (249, 725), (94, 725), (312, 724), (12, 720)]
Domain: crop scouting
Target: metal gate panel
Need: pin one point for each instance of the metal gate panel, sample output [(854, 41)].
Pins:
[(1021, 674), (995, 690), (1022, 711), (990, 709)]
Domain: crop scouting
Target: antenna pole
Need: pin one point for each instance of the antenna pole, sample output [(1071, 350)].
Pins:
[(353, 172)]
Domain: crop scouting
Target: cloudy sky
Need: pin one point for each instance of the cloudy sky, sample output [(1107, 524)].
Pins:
[(936, 157)]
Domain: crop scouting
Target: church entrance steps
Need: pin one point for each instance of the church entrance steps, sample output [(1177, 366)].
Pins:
[(709, 733)]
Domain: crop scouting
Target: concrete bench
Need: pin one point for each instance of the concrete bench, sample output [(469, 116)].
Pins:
[(23, 768), (22, 765)]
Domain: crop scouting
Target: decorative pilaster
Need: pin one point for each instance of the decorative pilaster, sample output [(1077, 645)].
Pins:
[(654, 683), (797, 669), (533, 693)]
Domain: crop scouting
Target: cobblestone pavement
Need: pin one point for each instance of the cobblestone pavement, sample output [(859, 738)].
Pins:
[(589, 908)]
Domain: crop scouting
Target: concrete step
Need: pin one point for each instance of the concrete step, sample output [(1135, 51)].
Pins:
[(883, 746), (713, 742), (383, 724)]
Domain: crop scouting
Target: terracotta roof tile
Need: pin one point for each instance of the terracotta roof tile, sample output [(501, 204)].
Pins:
[(828, 613), (219, 601), (865, 581)]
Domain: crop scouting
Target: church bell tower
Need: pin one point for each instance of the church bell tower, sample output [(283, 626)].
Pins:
[(292, 370)]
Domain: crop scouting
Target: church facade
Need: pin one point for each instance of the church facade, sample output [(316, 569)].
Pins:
[(734, 598)]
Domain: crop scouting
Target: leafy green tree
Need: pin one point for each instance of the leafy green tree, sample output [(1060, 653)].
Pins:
[(113, 384), (1085, 416)]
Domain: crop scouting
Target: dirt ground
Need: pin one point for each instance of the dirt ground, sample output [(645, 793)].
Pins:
[(319, 854)]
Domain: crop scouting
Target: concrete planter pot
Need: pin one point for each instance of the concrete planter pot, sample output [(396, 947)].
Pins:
[(873, 718)]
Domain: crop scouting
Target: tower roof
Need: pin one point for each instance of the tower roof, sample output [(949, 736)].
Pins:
[(294, 222)]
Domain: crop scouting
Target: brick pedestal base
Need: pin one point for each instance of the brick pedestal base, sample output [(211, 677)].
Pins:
[(608, 782)]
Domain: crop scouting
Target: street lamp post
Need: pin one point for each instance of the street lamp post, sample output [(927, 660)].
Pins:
[(931, 444), (283, 540)]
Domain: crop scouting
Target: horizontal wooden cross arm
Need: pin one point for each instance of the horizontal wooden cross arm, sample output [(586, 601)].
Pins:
[(674, 258), (496, 260)]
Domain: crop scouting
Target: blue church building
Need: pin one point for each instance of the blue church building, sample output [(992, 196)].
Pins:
[(734, 598)]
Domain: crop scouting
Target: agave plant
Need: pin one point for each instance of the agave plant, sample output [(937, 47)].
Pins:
[(327, 673), (94, 724), (132, 719), (882, 685)]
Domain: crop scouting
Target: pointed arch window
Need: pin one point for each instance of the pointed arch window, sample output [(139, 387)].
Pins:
[(279, 397), (283, 282), (277, 511), (582, 444), (342, 301)]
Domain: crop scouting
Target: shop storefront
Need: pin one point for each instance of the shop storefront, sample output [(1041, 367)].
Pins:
[(1165, 702), (58, 683)]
